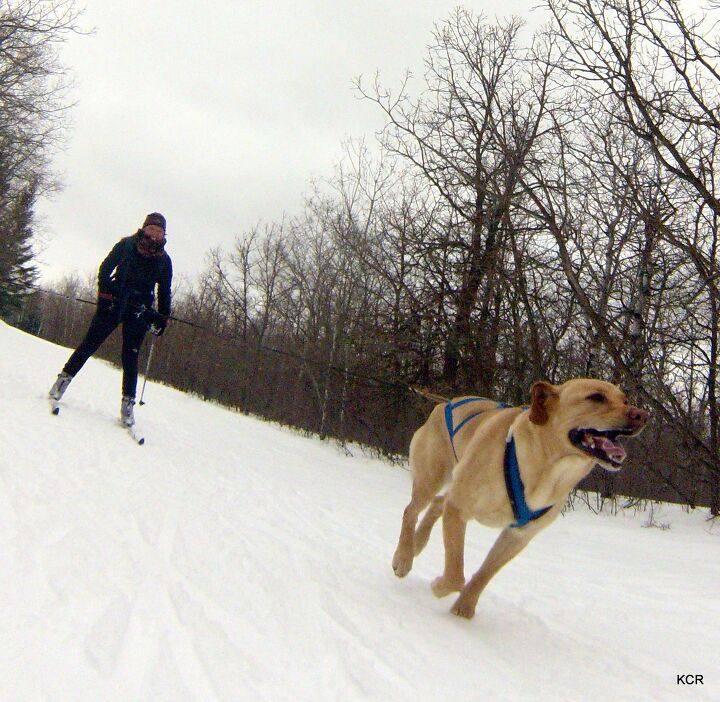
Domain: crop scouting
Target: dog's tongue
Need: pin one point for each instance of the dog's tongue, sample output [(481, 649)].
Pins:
[(614, 451)]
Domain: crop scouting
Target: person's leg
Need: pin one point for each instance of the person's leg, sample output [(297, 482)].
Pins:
[(133, 334), (100, 328)]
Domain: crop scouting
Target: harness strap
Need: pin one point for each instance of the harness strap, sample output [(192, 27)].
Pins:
[(516, 489), (513, 481), (449, 423)]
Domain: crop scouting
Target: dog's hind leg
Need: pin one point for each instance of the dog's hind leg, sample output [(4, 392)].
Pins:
[(430, 466), (405, 551), (453, 577), (423, 492), (434, 512)]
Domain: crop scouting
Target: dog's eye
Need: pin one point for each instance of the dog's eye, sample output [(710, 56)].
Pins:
[(596, 397)]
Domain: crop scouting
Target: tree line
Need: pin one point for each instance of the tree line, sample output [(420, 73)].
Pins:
[(542, 205), (33, 106)]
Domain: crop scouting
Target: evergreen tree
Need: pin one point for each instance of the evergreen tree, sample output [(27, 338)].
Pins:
[(18, 273)]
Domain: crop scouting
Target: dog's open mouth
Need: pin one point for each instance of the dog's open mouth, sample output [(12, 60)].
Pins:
[(601, 445)]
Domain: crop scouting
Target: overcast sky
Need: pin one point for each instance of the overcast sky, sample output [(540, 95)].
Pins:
[(218, 114)]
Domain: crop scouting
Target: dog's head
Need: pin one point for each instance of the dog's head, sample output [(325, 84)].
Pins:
[(590, 415)]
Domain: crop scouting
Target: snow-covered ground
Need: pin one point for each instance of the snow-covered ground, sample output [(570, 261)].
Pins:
[(229, 559)]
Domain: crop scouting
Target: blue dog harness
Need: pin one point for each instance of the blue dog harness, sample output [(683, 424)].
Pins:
[(450, 406), (516, 489), (513, 481)]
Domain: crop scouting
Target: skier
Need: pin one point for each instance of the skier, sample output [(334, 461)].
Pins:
[(126, 291)]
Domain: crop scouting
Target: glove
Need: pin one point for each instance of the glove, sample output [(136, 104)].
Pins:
[(106, 302), (158, 328), (156, 322)]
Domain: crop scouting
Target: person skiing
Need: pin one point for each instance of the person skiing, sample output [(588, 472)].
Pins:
[(127, 280)]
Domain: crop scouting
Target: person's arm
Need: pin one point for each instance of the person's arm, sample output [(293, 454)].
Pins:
[(164, 287), (107, 267)]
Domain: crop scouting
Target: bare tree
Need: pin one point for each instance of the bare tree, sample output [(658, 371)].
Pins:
[(468, 136), (33, 106)]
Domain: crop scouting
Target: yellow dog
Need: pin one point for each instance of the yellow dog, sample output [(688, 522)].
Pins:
[(510, 468)]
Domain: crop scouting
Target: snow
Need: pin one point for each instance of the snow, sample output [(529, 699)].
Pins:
[(230, 559)]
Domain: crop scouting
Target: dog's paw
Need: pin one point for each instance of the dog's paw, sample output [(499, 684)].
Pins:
[(402, 564), (463, 609), (441, 586)]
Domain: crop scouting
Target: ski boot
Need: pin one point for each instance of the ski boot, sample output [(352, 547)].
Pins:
[(60, 386), (127, 415)]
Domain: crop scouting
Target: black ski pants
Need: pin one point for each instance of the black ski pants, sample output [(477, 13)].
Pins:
[(102, 325)]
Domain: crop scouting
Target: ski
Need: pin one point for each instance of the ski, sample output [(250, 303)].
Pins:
[(132, 430), (135, 435)]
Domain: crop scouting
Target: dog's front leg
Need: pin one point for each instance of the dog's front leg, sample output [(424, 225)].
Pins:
[(453, 578), (508, 545)]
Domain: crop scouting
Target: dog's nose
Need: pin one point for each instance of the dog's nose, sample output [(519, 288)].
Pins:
[(637, 416)]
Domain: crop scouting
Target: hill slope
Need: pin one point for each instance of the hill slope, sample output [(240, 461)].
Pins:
[(228, 559)]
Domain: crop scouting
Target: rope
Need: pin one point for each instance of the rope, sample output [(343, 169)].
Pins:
[(427, 395), (288, 354)]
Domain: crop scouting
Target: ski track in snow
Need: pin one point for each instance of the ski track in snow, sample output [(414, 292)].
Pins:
[(229, 559)]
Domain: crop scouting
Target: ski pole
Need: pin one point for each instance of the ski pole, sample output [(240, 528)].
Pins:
[(147, 369)]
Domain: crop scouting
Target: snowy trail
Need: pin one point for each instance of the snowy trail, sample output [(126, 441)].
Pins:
[(229, 559)]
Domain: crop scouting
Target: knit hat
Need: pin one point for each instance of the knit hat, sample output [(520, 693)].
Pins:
[(155, 218)]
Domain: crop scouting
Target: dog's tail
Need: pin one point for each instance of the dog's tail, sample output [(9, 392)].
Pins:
[(426, 394)]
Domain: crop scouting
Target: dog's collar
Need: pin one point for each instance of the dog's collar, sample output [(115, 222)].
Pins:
[(516, 489)]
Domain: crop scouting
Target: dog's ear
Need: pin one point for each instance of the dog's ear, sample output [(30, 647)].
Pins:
[(542, 393)]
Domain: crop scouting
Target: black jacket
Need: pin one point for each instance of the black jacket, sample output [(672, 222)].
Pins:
[(131, 277)]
